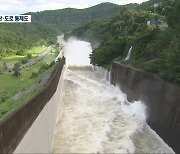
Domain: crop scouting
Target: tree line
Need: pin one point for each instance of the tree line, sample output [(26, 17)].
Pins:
[(68, 19), (16, 37), (154, 50)]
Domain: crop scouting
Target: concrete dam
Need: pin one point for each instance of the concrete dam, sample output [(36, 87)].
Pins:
[(90, 114)]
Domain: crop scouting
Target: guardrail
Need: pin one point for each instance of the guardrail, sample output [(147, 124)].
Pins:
[(15, 125)]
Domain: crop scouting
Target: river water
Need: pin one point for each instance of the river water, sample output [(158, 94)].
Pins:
[(95, 116)]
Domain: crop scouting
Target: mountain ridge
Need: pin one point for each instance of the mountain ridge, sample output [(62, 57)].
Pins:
[(68, 19)]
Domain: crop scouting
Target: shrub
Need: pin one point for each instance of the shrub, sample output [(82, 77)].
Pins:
[(20, 53), (43, 67), (59, 59), (29, 55), (34, 75), (3, 99), (17, 65), (52, 63), (16, 73), (16, 70), (25, 60)]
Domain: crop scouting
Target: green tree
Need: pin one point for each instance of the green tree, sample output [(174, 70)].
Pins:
[(173, 16), (16, 70), (29, 55)]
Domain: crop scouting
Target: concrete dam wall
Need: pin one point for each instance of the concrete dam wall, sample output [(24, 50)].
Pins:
[(39, 137), (161, 98)]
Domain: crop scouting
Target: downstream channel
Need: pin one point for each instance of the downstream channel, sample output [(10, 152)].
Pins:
[(95, 116)]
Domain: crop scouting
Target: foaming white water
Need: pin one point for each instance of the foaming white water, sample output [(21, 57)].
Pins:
[(129, 54), (97, 118), (77, 52), (104, 72), (137, 109), (92, 114)]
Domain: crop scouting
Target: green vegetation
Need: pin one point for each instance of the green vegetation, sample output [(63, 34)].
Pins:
[(10, 85), (13, 59), (154, 50), (69, 18), (29, 56), (24, 60), (35, 51), (16, 38), (10, 105), (16, 70), (46, 25)]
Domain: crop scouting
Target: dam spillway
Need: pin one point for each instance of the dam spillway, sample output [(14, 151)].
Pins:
[(96, 117)]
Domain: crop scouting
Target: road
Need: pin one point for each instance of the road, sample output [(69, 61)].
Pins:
[(31, 61), (38, 58)]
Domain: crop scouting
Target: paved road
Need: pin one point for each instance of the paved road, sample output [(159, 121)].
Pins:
[(31, 61), (38, 58), (44, 80)]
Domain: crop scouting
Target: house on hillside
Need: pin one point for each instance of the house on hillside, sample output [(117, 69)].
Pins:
[(162, 25), (153, 22)]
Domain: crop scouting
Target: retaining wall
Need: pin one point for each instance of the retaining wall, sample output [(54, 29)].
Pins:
[(28, 129), (161, 98)]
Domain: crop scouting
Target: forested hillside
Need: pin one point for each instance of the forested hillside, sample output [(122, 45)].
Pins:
[(116, 27), (46, 25), (161, 6), (15, 38), (69, 18), (154, 49)]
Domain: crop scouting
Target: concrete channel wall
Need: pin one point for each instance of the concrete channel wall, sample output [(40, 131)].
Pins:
[(30, 128), (161, 98), (39, 137)]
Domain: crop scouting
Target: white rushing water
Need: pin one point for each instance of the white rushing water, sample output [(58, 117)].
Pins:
[(96, 116), (77, 52), (129, 53)]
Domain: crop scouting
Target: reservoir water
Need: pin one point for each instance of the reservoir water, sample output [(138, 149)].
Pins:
[(95, 117)]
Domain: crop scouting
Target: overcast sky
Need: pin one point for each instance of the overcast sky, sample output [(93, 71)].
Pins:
[(15, 7)]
